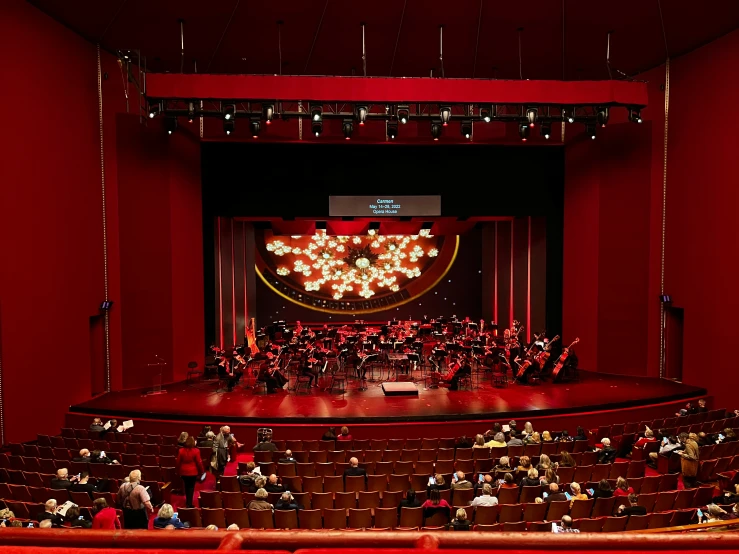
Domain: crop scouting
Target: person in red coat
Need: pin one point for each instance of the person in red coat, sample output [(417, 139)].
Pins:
[(190, 467), (105, 517)]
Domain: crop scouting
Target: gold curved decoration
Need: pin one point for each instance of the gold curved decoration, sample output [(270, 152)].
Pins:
[(372, 310)]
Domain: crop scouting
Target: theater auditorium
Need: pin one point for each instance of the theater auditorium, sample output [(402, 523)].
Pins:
[(399, 275)]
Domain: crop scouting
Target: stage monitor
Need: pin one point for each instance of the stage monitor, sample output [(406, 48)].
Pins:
[(384, 206)]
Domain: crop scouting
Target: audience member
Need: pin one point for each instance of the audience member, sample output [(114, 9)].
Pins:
[(633, 509), (287, 502), (50, 514), (460, 482), (75, 519), (460, 522), (189, 465), (565, 526), (486, 499), (622, 488), (344, 436), (104, 516), (135, 501), (260, 501), (62, 481), (410, 501), (436, 504), (273, 484), (287, 458), (554, 494), (167, 517)]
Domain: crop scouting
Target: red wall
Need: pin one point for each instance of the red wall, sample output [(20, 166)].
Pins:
[(51, 229), (625, 231), (51, 246)]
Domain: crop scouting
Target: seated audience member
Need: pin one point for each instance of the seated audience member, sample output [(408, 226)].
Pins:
[(554, 494), (83, 457), (497, 442), (633, 509), (62, 481), (84, 485), (531, 479), (232, 527), (212, 527), (514, 440), (439, 485), (533, 438), (45, 524), (247, 480), (260, 501), (479, 442), (97, 425), (646, 439), (577, 494), (702, 408), (580, 435), (204, 431), (546, 437), (528, 429), (689, 409), (508, 482), (75, 519), (410, 501), (103, 516), (607, 454), (460, 482), (565, 526), (727, 497), (566, 460), (604, 490), (166, 517), (460, 522), (464, 442), (672, 445), (434, 504), (265, 444), (287, 502), (207, 440), (512, 427), (329, 435), (503, 467), (729, 435), (550, 476), (487, 479), (354, 470), (715, 513), (564, 437), (50, 514), (288, 458), (273, 484), (524, 463), (486, 499), (622, 488), (344, 436), (544, 464)]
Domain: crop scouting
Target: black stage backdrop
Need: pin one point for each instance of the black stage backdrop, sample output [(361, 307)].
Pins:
[(295, 180)]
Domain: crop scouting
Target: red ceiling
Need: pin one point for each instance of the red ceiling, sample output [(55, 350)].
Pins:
[(240, 36)]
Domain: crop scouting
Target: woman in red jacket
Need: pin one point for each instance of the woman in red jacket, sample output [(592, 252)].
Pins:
[(190, 467), (105, 517)]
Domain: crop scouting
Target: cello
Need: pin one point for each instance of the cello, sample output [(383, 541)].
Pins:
[(562, 359), (543, 356)]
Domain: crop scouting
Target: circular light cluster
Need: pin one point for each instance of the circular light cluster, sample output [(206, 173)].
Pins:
[(354, 265)]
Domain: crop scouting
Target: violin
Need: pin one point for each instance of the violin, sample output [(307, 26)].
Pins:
[(562, 359)]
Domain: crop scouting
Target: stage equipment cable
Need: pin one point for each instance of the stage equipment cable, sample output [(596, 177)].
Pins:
[(397, 38), (105, 222)]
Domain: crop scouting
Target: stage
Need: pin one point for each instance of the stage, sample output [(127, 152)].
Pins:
[(604, 398)]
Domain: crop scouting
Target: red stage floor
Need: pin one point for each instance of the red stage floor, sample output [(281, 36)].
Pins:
[(199, 401)]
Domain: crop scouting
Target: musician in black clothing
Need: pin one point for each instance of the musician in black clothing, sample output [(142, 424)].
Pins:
[(306, 370), (268, 374), (464, 370)]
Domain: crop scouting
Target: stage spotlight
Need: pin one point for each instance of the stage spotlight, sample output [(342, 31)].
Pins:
[(404, 114), (446, 114), (316, 114), (635, 115), (523, 131), (255, 126), (170, 124), (590, 130), (362, 114), (602, 116), (568, 114), (532, 115), (229, 125), (229, 112), (190, 111), (268, 110), (546, 129), (436, 129), (154, 110), (466, 128), (392, 129), (348, 128), (486, 113)]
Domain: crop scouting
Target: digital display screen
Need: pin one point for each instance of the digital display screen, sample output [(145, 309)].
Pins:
[(384, 206)]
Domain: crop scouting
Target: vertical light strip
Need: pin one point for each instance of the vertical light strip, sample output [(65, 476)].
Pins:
[(233, 284), (2, 404), (528, 289), (246, 293), (664, 223), (495, 286), (220, 281), (510, 314), (105, 221)]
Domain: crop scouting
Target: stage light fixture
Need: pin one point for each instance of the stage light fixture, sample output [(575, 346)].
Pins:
[(568, 114), (465, 128), (229, 112), (268, 110), (392, 129), (445, 112), (255, 126), (635, 115), (170, 124), (523, 131), (404, 114), (532, 114), (316, 114), (154, 110), (348, 128), (602, 116), (436, 129), (229, 125), (486, 113), (190, 111), (546, 129), (361, 114), (590, 130)]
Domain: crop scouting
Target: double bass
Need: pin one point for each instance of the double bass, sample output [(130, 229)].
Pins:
[(562, 359)]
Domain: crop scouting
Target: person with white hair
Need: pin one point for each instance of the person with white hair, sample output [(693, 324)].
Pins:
[(607, 454), (50, 514), (135, 501), (167, 517)]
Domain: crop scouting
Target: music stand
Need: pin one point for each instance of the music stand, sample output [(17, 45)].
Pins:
[(157, 380)]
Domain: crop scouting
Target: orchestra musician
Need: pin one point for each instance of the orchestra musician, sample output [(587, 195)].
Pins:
[(457, 369)]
